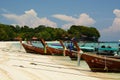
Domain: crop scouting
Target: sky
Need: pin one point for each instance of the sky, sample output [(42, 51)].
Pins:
[(104, 15)]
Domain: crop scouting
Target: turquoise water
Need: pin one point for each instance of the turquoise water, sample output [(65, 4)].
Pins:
[(83, 45), (38, 44), (50, 44)]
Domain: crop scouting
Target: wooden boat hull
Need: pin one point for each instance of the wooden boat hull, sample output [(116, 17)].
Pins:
[(28, 49), (49, 51), (99, 63), (55, 51), (72, 54), (32, 49)]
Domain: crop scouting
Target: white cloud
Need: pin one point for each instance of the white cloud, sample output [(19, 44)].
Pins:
[(31, 12), (113, 30), (64, 17), (29, 18), (83, 19), (117, 12)]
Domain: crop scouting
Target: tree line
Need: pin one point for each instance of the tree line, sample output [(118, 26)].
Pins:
[(10, 32)]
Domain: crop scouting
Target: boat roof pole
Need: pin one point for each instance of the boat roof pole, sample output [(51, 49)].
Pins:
[(43, 42), (46, 46)]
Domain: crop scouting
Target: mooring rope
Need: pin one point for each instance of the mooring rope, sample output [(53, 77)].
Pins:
[(105, 68)]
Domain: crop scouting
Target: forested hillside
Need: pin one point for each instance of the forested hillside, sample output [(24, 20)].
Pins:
[(10, 32)]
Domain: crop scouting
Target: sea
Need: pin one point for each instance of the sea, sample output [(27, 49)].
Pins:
[(65, 60)]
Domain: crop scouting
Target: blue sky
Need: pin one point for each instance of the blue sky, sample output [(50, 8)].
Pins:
[(101, 14)]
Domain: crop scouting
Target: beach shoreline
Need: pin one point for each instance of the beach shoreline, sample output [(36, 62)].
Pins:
[(16, 64)]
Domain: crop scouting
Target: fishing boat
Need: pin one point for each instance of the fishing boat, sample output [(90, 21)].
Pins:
[(99, 63), (55, 51), (107, 51), (72, 54), (46, 50), (59, 46), (73, 51), (33, 49)]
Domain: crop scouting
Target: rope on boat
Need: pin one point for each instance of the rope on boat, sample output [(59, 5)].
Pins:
[(105, 68), (64, 51)]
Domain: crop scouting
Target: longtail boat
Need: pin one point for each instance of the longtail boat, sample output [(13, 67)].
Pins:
[(54, 51), (44, 51), (100, 63), (108, 52), (64, 51), (33, 49), (29, 48), (71, 53)]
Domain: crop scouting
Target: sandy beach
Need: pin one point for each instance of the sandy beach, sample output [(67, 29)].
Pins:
[(16, 64)]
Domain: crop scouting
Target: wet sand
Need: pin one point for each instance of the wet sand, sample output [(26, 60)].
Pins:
[(16, 64)]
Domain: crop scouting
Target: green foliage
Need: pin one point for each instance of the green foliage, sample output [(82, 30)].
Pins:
[(89, 33), (9, 32), (6, 32)]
